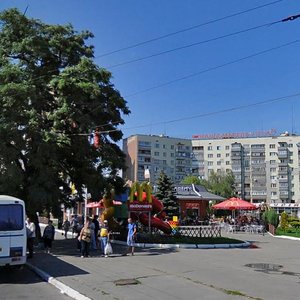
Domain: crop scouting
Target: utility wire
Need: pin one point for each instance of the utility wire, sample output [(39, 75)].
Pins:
[(193, 44), (188, 29), (290, 18), (213, 113), (211, 69)]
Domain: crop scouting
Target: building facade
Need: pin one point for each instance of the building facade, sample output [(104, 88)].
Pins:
[(266, 168), (148, 155)]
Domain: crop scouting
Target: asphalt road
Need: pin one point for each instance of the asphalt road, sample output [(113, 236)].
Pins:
[(270, 271), (25, 284)]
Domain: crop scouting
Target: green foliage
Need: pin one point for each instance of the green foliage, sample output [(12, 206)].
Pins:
[(52, 95), (295, 224), (284, 224), (219, 184), (166, 194), (271, 217), (289, 232), (195, 180)]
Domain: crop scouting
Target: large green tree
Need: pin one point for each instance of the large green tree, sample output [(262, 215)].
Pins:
[(166, 194), (219, 184), (52, 97)]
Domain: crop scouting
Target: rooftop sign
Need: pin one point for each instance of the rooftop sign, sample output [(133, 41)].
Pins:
[(217, 136)]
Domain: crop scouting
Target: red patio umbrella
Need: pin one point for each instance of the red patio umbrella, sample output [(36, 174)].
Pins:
[(235, 204)]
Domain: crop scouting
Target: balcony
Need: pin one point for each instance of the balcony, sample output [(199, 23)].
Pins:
[(283, 179), (283, 170), (258, 171), (282, 154)]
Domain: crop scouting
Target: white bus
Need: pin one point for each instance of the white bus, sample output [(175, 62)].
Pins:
[(12, 231)]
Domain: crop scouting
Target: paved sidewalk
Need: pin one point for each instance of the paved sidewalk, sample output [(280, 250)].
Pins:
[(164, 273)]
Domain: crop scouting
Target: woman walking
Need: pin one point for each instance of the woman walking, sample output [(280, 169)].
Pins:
[(85, 238)]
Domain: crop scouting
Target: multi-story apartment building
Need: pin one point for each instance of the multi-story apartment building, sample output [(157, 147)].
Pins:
[(151, 154), (266, 168)]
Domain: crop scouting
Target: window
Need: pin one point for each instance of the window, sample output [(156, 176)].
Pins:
[(210, 155), (227, 162), (172, 147), (272, 169), (164, 146), (273, 153), (227, 147), (272, 162), (227, 154), (164, 154), (218, 147), (156, 145), (172, 154), (156, 153), (210, 163), (219, 155), (11, 217), (218, 162), (290, 145), (272, 146), (273, 185), (209, 148)]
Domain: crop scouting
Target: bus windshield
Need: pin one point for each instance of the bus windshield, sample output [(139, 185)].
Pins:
[(11, 217)]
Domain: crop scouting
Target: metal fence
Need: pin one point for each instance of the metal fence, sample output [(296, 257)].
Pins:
[(200, 231)]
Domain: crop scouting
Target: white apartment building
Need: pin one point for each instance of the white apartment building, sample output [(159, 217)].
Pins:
[(266, 168), (150, 154)]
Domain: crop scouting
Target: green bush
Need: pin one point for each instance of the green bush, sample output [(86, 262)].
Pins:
[(284, 224), (292, 219), (271, 217), (295, 224)]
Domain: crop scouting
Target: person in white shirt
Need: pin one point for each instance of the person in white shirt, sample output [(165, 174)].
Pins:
[(30, 236)]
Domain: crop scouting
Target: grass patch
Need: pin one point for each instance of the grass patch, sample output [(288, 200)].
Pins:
[(178, 239), (294, 232)]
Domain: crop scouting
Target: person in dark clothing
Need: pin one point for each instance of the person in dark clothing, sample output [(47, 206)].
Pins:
[(96, 230), (48, 236)]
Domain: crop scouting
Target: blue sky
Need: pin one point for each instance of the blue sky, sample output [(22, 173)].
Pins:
[(118, 24)]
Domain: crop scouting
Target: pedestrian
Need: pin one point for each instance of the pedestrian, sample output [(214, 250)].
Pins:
[(96, 230), (132, 231), (104, 234), (30, 230), (93, 239), (48, 236), (74, 224), (85, 238), (66, 227), (79, 228)]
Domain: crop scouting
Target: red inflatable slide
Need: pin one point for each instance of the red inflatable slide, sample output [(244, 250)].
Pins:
[(156, 220)]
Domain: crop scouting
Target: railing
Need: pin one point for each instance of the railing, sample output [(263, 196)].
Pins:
[(200, 231)]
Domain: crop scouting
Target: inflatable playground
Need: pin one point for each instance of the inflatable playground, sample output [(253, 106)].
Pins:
[(139, 203)]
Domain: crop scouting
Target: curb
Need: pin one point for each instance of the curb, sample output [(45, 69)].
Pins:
[(186, 246), (285, 237), (56, 283)]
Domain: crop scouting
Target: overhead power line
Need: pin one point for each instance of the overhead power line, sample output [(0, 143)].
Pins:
[(188, 29), (213, 113), (193, 44), (211, 69)]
